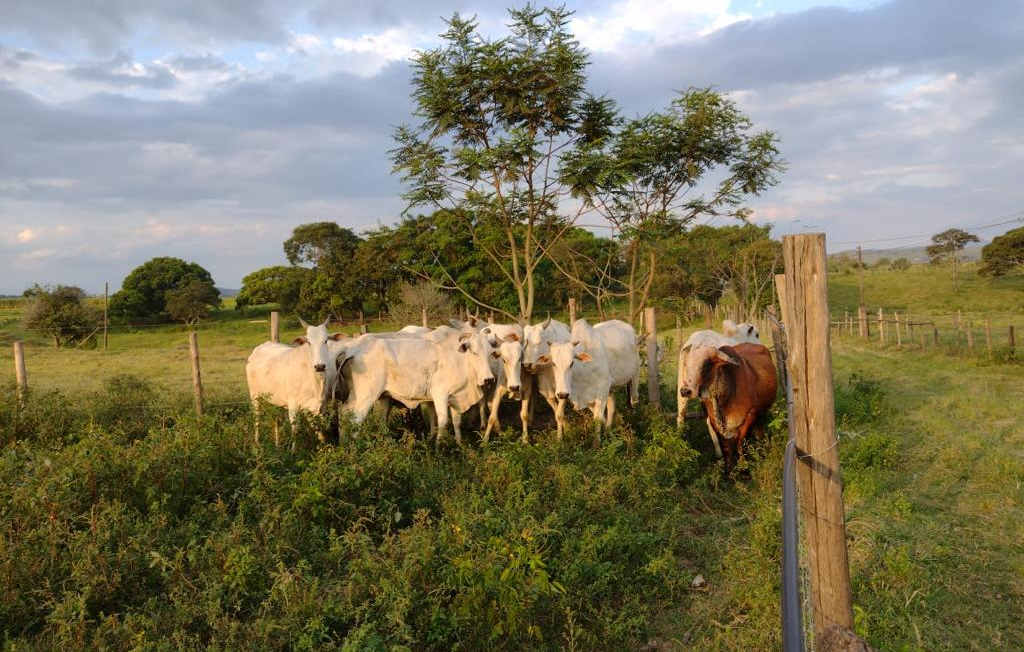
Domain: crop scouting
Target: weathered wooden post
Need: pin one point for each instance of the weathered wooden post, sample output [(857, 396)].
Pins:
[(970, 338), (20, 375), (423, 317), (708, 320), (818, 474), (899, 336), (1013, 342), (363, 329), (653, 382), (935, 333), (780, 292), (679, 334), (197, 378), (881, 327), (922, 340), (275, 327), (572, 311), (988, 335), (106, 305)]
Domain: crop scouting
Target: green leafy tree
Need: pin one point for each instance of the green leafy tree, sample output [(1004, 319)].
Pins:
[(329, 249), (1003, 254), (192, 302), (143, 293), (62, 313), (649, 177), (496, 116), (900, 264), (946, 248), (280, 284)]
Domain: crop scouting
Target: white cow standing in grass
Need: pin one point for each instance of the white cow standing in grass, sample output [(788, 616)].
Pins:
[(449, 370), (619, 341), (299, 376), (538, 373), (731, 335), (507, 368)]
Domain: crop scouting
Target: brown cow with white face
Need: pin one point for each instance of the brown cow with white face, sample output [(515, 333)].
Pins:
[(737, 386)]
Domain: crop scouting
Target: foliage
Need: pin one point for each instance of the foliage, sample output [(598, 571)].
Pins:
[(279, 284), (645, 177), (61, 313), (900, 264), (328, 288), (414, 298), (143, 293), (197, 539), (495, 118), (946, 247), (192, 302), (1003, 254)]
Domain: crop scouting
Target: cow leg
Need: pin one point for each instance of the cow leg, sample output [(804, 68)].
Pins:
[(525, 399), (599, 409), (293, 412), (714, 439), (680, 412), (427, 410), (492, 419), (441, 411), (634, 390), (482, 408), (610, 411), (729, 444), (559, 409), (256, 420), (457, 425)]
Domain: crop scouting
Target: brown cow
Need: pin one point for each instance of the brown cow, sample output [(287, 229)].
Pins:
[(737, 385)]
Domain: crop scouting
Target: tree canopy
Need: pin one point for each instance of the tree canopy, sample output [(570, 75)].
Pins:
[(62, 313), (1003, 254), (143, 293), (946, 248)]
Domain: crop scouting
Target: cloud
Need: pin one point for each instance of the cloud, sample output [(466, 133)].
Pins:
[(122, 70)]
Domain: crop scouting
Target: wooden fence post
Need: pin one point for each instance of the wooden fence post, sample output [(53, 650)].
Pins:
[(818, 474), (363, 329), (922, 340), (106, 305), (970, 338), (935, 333), (780, 291), (988, 335), (899, 336), (653, 382), (275, 328), (679, 335), (572, 311), (708, 321), (881, 327), (20, 375), (423, 317), (197, 378), (1013, 342)]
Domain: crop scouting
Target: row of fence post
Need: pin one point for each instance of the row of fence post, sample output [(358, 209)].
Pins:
[(904, 326)]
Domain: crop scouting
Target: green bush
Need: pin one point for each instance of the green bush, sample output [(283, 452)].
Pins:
[(122, 535)]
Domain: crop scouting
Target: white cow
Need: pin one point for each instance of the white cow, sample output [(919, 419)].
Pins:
[(619, 342), (731, 335), (415, 330), (583, 379), (299, 376), (450, 372), (537, 341), (508, 370)]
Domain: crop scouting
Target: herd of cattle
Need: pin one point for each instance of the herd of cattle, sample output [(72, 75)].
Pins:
[(465, 364)]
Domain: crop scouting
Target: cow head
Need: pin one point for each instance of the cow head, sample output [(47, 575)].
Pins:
[(315, 343), (477, 348), (511, 351), (535, 346), (699, 366), (563, 356)]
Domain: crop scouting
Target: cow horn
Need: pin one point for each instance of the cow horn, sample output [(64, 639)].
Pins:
[(303, 322), (547, 322)]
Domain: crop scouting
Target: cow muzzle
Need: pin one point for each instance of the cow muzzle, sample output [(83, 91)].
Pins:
[(320, 368), (562, 395), (488, 383), (514, 389), (685, 392)]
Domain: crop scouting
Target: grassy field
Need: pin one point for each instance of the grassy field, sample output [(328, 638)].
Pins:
[(188, 535)]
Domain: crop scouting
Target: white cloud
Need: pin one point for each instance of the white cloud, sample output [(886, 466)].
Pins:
[(659, 21), (27, 235)]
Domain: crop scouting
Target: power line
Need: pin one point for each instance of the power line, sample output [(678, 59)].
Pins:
[(1019, 218)]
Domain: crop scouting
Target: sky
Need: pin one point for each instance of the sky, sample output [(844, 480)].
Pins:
[(209, 129)]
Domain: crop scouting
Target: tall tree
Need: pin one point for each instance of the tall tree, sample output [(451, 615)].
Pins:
[(946, 247), (143, 293), (496, 117), (279, 284), (192, 302), (329, 249), (1003, 254), (648, 179)]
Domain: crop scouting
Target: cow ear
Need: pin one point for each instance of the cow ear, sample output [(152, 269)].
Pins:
[(686, 349), (583, 357), (299, 341), (511, 337), (750, 330), (496, 354), (464, 347), (465, 336), (472, 321), (727, 355), (544, 359), (337, 337)]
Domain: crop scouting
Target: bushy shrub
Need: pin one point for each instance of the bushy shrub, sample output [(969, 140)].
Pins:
[(413, 298)]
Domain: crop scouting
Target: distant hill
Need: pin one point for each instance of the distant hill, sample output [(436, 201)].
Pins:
[(227, 293), (971, 252)]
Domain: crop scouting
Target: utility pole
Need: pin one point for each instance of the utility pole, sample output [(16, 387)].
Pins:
[(862, 314), (106, 289)]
